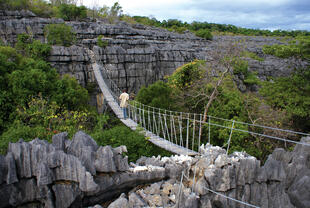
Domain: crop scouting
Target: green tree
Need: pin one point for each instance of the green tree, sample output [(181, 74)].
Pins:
[(32, 48), (9, 61), (59, 34), (204, 33), (72, 12), (158, 95), (291, 94), (69, 93), (23, 77)]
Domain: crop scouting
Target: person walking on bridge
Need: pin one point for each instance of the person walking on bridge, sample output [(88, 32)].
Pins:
[(124, 97)]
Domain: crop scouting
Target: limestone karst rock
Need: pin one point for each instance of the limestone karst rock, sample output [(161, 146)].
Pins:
[(136, 55), (53, 175)]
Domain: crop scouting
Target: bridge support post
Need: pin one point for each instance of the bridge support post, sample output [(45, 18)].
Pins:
[(232, 127)]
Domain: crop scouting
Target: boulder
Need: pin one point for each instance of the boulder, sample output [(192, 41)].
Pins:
[(299, 191), (135, 201), (104, 160), (66, 195), (59, 141), (120, 202)]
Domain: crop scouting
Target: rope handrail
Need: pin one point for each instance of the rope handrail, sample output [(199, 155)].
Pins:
[(235, 129), (217, 193), (224, 119), (230, 198)]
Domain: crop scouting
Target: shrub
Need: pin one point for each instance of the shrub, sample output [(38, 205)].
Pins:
[(17, 4), (281, 51), (18, 131), (291, 94), (42, 8), (204, 33), (59, 34), (72, 12), (32, 48), (137, 145), (251, 79), (177, 29), (185, 76), (1, 42), (298, 48), (69, 93), (102, 43), (240, 66), (252, 56), (9, 61), (42, 119), (157, 95), (23, 77)]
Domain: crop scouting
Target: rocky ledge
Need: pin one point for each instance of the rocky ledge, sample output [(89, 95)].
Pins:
[(79, 173)]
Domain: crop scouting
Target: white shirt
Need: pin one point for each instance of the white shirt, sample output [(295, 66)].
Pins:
[(124, 97)]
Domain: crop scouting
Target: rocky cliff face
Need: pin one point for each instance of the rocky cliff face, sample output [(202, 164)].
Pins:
[(136, 55), (79, 173)]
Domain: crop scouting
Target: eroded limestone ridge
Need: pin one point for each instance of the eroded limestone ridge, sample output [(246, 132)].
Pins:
[(137, 55), (79, 173)]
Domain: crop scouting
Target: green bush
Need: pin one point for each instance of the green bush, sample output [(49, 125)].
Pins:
[(59, 34), (177, 29), (23, 77), (252, 56), (251, 78), (137, 145), (281, 51), (102, 43), (186, 75), (229, 104), (291, 94), (42, 119), (72, 12), (298, 48), (69, 93), (204, 33), (42, 8), (157, 95), (32, 48), (18, 131), (10, 60), (240, 66), (15, 5)]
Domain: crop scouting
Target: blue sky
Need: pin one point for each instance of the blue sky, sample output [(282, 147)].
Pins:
[(257, 14)]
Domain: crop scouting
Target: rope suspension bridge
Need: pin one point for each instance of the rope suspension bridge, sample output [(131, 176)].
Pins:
[(179, 132)]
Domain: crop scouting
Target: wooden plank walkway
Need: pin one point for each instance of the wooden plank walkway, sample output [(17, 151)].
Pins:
[(158, 141)]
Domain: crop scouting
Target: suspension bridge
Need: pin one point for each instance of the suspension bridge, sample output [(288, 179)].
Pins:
[(178, 132)]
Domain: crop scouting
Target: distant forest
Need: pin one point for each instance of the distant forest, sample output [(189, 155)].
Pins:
[(179, 26)]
